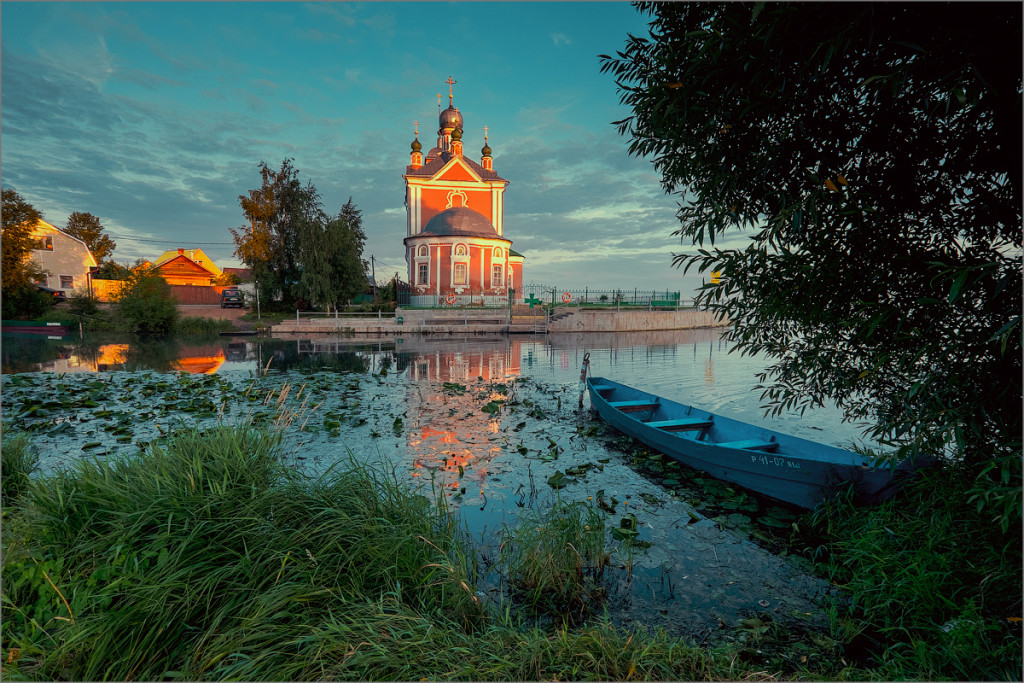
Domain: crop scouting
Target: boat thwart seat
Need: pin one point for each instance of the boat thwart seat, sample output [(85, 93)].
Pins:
[(630, 406), (750, 444), (680, 425), (602, 387)]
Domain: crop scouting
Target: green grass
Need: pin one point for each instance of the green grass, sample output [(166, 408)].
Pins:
[(192, 326), (19, 460), (555, 558), (206, 558), (934, 585)]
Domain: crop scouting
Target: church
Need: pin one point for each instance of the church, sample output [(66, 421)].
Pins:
[(455, 242)]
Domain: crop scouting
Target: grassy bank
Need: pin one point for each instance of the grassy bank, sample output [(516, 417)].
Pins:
[(205, 558)]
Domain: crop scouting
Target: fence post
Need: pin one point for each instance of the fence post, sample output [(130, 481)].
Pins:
[(296, 317)]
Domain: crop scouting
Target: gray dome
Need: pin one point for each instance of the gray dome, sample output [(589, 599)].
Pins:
[(450, 118), (459, 220)]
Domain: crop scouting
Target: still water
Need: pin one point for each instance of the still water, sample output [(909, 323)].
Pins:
[(486, 422)]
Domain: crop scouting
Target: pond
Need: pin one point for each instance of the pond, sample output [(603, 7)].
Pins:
[(491, 423)]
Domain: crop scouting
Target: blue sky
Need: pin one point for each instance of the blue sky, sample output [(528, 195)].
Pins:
[(154, 117)]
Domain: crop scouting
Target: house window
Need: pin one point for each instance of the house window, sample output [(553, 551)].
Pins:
[(461, 274), (423, 276), (41, 280), (497, 275), (67, 281), (45, 243)]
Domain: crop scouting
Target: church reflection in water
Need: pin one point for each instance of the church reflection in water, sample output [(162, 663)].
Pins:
[(451, 436)]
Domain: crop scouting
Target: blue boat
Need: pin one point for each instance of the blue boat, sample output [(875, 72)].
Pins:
[(786, 468)]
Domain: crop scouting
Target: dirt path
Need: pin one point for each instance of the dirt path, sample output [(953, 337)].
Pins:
[(216, 312)]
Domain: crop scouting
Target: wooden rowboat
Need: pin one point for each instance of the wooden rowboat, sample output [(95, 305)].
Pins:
[(783, 467)]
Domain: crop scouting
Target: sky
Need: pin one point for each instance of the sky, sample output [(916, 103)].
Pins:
[(154, 116)]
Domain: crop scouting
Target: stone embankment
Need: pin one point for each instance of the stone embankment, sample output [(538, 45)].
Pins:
[(520, 320)]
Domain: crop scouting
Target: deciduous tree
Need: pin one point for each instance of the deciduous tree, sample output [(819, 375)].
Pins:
[(88, 228), (16, 244), (269, 244), (871, 155), (333, 270)]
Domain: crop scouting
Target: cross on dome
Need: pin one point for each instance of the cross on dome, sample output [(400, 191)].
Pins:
[(451, 81)]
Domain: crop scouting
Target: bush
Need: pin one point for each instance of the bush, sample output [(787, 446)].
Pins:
[(26, 303), (82, 303), (147, 305)]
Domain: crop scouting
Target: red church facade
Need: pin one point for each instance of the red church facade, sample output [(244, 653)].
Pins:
[(455, 245)]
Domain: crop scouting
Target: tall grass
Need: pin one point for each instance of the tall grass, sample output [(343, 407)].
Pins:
[(555, 558), (935, 586), (18, 460), (193, 326), (207, 559)]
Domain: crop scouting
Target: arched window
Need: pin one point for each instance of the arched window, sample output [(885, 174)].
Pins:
[(460, 250), (499, 253), (422, 250)]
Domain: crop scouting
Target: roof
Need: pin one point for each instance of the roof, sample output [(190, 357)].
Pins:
[(435, 160), (197, 255), (460, 221)]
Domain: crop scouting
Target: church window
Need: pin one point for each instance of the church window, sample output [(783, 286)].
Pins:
[(422, 250), (460, 250), (423, 276), (497, 275), (498, 254), (460, 275)]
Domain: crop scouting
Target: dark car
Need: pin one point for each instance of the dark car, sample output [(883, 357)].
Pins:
[(231, 297)]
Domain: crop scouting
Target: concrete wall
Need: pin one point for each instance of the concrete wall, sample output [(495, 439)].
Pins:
[(584, 320)]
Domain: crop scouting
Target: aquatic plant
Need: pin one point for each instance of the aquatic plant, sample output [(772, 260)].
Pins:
[(555, 557)]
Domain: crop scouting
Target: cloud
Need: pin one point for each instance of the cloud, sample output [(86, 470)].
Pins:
[(560, 39)]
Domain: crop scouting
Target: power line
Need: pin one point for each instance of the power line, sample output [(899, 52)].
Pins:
[(140, 239)]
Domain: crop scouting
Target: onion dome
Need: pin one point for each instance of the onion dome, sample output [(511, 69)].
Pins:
[(486, 151), (456, 135), (450, 118), (416, 146), (461, 221)]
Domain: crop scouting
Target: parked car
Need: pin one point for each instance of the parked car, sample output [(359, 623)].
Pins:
[(231, 297)]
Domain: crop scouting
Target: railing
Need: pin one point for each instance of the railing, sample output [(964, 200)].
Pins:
[(312, 316), (547, 295)]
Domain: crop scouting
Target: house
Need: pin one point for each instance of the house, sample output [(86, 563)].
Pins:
[(187, 267), (66, 259)]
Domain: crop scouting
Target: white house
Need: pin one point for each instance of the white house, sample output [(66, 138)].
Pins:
[(66, 259)]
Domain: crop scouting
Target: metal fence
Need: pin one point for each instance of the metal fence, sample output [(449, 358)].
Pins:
[(548, 295)]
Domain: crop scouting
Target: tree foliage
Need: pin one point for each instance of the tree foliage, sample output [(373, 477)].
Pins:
[(146, 305), (16, 244), (333, 270), (860, 168), (276, 213), (88, 228), (294, 250)]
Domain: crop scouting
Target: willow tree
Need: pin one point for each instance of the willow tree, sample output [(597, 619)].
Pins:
[(868, 156), (333, 270)]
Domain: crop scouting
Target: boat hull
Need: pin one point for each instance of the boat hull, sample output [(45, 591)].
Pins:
[(787, 468)]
